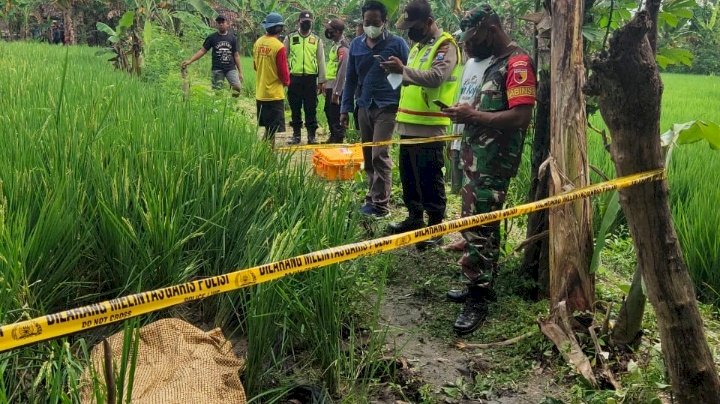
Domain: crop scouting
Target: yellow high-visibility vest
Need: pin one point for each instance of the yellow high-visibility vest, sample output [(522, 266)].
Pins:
[(416, 104), (303, 53), (333, 63)]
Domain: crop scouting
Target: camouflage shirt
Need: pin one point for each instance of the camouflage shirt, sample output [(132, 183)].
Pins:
[(508, 82)]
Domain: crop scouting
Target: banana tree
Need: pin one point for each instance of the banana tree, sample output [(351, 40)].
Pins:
[(132, 35), (124, 41)]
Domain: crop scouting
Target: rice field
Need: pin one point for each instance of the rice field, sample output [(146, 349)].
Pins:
[(108, 185)]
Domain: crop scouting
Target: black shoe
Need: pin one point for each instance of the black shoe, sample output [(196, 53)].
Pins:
[(409, 224), (295, 140), (457, 295), (433, 242)]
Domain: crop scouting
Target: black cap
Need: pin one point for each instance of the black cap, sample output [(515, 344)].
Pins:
[(220, 18), (305, 16), (416, 11)]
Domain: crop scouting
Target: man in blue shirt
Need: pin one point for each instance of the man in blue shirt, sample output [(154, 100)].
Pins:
[(377, 101)]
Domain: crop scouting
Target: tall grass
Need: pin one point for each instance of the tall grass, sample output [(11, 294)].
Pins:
[(110, 185), (694, 189)]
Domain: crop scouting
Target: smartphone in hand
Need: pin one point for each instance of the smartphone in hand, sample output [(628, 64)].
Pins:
[(440, 104), (379, 58)]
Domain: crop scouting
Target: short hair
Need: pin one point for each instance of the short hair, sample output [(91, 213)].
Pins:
[(274, 30), (377, 6)]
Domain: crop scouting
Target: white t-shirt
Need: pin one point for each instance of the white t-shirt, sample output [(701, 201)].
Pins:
[(473, 73)]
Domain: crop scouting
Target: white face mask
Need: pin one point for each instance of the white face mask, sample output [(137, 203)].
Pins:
[(372, 31)]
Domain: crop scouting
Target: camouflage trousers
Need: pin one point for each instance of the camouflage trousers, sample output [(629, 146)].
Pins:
[(488, 165)]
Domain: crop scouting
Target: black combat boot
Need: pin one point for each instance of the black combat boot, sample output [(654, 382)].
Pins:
[(457, 295), (412, 222), (475, 309), (435, 241)]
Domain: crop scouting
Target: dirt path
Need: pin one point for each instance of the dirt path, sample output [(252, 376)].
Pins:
[(435, 360), (446, 369)]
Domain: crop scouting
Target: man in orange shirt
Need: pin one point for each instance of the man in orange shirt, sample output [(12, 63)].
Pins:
[(270, 63)]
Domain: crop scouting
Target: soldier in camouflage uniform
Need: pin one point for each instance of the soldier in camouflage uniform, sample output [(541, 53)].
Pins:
[(491, 147)]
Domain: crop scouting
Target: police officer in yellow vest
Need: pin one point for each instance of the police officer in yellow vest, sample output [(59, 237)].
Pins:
[(306, 60), (431, 75), (336, 69)]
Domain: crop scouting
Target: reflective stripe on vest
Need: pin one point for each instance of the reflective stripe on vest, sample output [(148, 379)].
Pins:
[(332, 64), (303, 54), (416, 104)]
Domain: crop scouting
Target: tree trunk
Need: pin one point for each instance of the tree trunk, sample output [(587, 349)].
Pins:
[(136, 50), (26, 24), (535, 260), (629, 89), (69, 25), (570, 224), (79, 25)]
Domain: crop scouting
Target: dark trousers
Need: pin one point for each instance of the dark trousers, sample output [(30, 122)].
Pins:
[(332, 112), (422, 179), (271, 116), (302, 95)]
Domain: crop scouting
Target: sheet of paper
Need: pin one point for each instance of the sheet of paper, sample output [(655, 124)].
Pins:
[(395, 79)]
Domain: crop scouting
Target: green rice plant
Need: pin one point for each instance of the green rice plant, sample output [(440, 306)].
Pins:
[(125, 377), (361, 366), (692, 191)]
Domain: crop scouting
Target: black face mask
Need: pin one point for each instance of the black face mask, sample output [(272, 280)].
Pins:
[(328, 34), (416, 34), (481, 51), (305, 25)]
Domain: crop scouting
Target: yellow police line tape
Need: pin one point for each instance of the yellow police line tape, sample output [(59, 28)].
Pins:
[(103, 313), (416, 140)]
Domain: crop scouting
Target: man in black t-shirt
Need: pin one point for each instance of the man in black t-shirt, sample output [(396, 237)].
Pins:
[(225, 56)]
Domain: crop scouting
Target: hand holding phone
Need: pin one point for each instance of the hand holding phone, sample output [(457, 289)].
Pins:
[(379, 58), (440, 104)]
